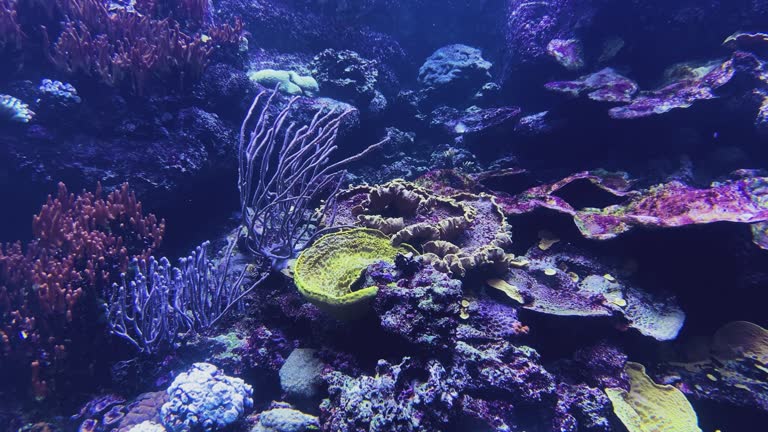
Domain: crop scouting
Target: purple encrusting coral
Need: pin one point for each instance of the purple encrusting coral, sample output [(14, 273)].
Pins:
[(423, 308), (606, 85), (673, 204), (395, 399), (488, 320), (268, 348), (568, 53)]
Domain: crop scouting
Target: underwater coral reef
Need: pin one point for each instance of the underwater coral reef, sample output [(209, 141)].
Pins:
[(383, 215)]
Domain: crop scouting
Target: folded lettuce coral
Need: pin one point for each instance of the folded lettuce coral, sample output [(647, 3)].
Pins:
[(649, 407), (458, 233), (327, 272)]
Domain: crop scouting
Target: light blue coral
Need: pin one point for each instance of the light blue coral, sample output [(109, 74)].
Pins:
[(14, 109), (204, 399), (286, 81), (281, 417), (147, 426), (59, 91)]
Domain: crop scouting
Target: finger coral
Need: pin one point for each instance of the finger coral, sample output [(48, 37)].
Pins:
[(81, 244)]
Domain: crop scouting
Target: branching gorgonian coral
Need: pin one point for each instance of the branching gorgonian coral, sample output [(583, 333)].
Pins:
[(157, 303), (283, 172)]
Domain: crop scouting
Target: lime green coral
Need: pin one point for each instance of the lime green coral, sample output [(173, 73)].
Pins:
[(286, 81), (650, 407), (328, 272)]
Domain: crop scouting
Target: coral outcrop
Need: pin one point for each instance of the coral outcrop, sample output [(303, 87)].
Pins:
[(730, 368), (457, 234), (454, 72), (345, 75), (281, 417), (395, 399), (204, 399)]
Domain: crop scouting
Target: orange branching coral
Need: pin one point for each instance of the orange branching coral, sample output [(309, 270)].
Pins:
[(81, 244), (125, 47)]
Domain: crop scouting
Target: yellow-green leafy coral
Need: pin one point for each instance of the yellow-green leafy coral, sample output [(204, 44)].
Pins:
[(650, 407), (286, 81), (327, 272)]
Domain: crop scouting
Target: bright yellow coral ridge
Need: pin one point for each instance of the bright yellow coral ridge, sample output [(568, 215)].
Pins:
[(650, 407), (326, 272)]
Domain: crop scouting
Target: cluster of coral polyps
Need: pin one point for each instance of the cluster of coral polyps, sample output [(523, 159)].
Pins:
[(456, 234), (81, 244)]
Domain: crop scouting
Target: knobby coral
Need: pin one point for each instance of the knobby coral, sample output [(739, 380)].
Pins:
[(205, 399), (15, 110)]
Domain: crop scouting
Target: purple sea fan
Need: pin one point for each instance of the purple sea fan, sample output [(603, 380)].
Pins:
[(282, 172)]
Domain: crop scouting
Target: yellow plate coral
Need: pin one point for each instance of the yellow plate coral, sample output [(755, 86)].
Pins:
[(327, 272), (650, 407)]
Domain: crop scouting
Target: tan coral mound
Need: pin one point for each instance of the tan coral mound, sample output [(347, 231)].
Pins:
[(457, 234)]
